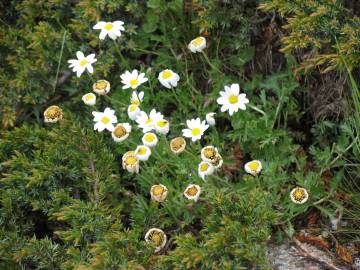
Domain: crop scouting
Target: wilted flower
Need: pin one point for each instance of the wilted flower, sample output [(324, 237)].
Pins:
[(197, 44), (177, 145), (133, 79), (168, 78), (299, 195), (113, 29), (208, 153), (147, 123), (158, 193), (253, 167), (231, 99), (156, 237), (142, 152), (89, 99), (218, 161), (81, 63), (192, 192), (195, 129), (149, 139), (162, 126), (130, 162), (104, 120), (53, 114), (101, 87), (210, 118), (136, 98), (121, 132), (133, 111), (205, 168)]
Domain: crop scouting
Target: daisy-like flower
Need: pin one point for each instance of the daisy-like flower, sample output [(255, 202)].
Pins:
[(205, 168), (208, 153), (89, 99), (162, 126), (136, 98), (82, 63), (197, 45), (157, 237), (53, 114), (177, 145), (111, 29), (210, 119), (132, 79), (149, 139), (133, 111), (130, 162), (147, 122), (192, 192), (168, 78), (231, 99), (158, 192), (104, 120), (121, 132), (253, 167), (142, 152), (101, 87), (217, 162), (299, 195), (195, 129)]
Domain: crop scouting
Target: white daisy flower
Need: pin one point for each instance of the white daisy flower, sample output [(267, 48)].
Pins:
[(195, 129), (192, 192), (121, 132), (231, 99), (205, 168), (137, 98), (101, 87), (218, 161), (133, 111), (53, 114), (158, 192), (177, 145), (168, 78), (162, 126), (208, 153), (149, 139), (142, 152), (253, 167), (197, 45), (210, 118), (157, 237), (130, 162), (89, 99), (104, 120), (133, 79), (299, 195), (147, 123), (111, 29), (82, 63)]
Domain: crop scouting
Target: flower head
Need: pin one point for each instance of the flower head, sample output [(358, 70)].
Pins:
[(147, 122), (177, 145), (137, 98), (89, 99), (168, 78), (53, 114), (142, 152), (299, 195), (208, 153), (101, 87), (156, 237), (205, 168), (217, 162), (210, 118), (197, 45), (82, 63), (121, 132), (132, 79), (195, 129), (231, 99), (192, 192), (158, 192), (112, 29), (104, 120), (133, 111), (253, 167), (149, 139), (162, 126), (130, 162)]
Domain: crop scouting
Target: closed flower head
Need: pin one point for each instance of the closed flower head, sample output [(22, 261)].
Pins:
[(121, 132), (101, 87), (156, 237), (53, 114), (299, 195), (192, 192), (197, 45), (89, 99), (253, 167), (168, 78), (158, 193), (142, 152), (130, 162), (177, 145), (205, 168)]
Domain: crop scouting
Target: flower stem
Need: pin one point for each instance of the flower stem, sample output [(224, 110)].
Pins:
[(120, 55), (59, 62)]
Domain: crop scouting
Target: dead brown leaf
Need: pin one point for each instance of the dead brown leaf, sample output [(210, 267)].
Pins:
[(313, 240), (343, 253)]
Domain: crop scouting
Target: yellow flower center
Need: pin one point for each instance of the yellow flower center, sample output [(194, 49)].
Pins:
[(105, 120), (197, 42), (253, 165), (196, 131), (162, 123), (149, 121), (156, 237), (166, 74), (158, 190), (132, 108), (192, 191), (233, 99), (83, 62), (135, 102), (142, 151), (89, 97), (108, 26), (131, 160), (53, 112), (204, 167), (177, 143), (299, 194), (149, 138), (120, 131), (209, 153), (101, 85), (134, 82)]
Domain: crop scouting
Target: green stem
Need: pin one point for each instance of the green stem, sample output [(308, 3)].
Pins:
[(210, 64), (120, 54), (59, 62)]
